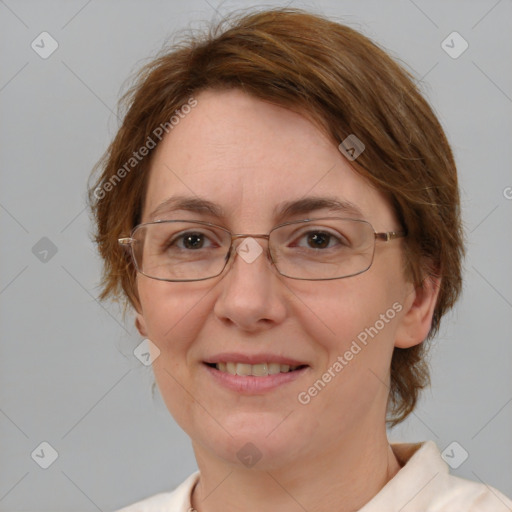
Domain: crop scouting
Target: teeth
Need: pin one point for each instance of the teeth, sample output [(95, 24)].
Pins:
[(274, 368), (260, 370), (243, 369), (257, 370)]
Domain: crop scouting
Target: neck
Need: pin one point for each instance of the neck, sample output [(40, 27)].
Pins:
[(343, 478)]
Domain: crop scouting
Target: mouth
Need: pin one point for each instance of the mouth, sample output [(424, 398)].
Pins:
[(255, 370), (254, 374)]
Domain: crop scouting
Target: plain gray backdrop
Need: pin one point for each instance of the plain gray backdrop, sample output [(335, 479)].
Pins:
[(68, 374)]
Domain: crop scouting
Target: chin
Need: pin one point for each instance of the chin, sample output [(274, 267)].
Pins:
[(258, 441)]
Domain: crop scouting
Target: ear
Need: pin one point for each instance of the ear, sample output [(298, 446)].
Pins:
[(419, 308), (140, 324)]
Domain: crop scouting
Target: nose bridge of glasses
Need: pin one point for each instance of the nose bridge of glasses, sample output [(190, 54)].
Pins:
[(244, 236), (237, 236)]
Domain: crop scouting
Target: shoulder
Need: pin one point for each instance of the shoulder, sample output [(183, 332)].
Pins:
[(175, 501), (460, 494), (424, 483)]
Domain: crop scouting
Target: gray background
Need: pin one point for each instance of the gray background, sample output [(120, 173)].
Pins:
[(67, 372)]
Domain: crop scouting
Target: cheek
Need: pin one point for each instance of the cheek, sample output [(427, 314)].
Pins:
[(340, 311), (172, 312), (173, 316), (355, 320), (353, 326)]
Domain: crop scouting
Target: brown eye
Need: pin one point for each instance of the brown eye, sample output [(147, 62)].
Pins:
[(193, 240), (319, 240)]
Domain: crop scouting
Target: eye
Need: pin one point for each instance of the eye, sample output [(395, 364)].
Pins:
[(191, 240), (319, 239)]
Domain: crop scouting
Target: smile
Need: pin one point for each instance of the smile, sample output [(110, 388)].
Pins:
[(254, 379), (256, 370)]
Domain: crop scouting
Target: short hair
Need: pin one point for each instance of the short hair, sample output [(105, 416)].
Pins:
[(344, 83)]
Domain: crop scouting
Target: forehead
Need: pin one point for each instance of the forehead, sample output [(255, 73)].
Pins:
[(250, 157)]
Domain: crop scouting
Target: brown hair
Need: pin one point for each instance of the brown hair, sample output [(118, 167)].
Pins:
[(347, 85)]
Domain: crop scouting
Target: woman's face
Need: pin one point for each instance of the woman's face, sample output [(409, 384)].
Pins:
[(249, 157)]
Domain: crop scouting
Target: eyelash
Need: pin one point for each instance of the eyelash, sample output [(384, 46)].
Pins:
[(182, 236)]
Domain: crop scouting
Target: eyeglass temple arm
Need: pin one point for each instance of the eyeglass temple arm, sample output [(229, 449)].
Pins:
[(390, 235), (125, 243)]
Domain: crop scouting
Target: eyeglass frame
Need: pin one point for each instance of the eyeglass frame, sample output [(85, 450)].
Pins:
[(126, 243)]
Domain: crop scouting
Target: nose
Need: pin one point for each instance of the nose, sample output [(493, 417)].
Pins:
[(252, 295)]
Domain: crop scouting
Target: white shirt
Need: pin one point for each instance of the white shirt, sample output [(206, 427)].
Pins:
[(423, 484)]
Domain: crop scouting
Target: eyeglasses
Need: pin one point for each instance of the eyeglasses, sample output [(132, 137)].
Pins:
[(311, 249)]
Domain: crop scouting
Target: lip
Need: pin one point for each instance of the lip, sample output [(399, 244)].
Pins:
[(251, 385), (233, 357)]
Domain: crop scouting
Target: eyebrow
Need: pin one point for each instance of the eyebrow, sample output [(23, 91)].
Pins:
[(303, 206)]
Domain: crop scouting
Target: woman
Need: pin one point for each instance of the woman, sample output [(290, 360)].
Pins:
[(280, 208)]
